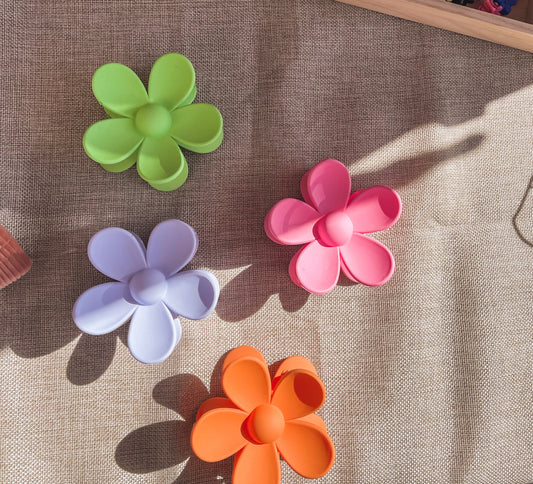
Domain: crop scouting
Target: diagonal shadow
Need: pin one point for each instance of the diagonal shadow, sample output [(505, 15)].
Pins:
[(93, 355), (294, 86)]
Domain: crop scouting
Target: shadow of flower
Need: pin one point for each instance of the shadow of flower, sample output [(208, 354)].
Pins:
[(166, 444), (91, 358)]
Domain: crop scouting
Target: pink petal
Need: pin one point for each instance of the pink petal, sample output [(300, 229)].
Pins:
[(367, 261), (374, 209), (290, 222), (316, 268), (327, 186)]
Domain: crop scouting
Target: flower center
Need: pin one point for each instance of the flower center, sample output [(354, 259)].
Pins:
[(153, 120), (148, 287), (266, 424), (335, 229)]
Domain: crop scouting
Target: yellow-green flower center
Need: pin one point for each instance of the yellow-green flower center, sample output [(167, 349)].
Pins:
[(153, 120)]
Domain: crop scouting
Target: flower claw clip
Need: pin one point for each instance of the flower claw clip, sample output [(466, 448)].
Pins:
[(261, 420), (148, 128), (149, 288), (332, 223)]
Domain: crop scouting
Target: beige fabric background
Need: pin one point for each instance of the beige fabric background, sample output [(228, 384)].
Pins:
[(429, 378)]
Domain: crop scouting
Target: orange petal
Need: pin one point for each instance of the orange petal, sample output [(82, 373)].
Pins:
[(314, 419), (212, 403), (294, 363), (217, 434), (241, 352), (307, 448), (245, 378), (257, 464), (298, 393)]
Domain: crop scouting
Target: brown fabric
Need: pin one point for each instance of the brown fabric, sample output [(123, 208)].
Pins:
[(429, 378)]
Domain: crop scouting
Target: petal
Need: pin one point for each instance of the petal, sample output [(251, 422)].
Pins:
[(367, 261), (162, 164), (197, 127), (116, 253), (245, 380), (212, 404), (118, 89), (291, 222), (192, 294), (190, 98), (240, 352), (171, 246), (315, 420), (327, 186), (102, 309), (111, 140), (374, 209), (121, 165), (316, 268), (111, 114), (153, 333), (307, 448), (293, 363), (298, 393), (258, 464), (171, 81), (217, 435)]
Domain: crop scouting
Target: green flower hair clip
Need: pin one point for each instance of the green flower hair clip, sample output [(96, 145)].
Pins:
[(149, 128)]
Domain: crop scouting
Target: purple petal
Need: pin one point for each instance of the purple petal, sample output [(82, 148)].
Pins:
[(102, 309), (117, 253), (153, 334), (172, 245), (192, 294)]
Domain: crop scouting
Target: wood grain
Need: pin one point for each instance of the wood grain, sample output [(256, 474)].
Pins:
[(463, 20)]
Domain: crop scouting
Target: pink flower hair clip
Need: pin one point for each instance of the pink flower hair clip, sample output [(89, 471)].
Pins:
[(332, 223)]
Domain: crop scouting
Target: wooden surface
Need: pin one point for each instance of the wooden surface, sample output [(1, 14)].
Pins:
[(460, 19)]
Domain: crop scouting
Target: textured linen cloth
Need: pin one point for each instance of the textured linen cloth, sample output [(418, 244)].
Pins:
[(429, 378)]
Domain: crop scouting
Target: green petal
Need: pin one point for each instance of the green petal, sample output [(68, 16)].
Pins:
[(162, 164), (122, 165), (118, 89), (111, 114), (111, 140), (197, 127), (171, 81), (190, 98)]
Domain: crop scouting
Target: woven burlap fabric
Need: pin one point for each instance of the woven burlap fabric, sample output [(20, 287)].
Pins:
[(429, 378)]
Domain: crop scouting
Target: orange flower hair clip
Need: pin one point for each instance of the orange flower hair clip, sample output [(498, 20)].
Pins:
[(263, 420)]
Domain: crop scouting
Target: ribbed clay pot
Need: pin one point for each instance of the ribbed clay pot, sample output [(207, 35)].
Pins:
[(14, 262)]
